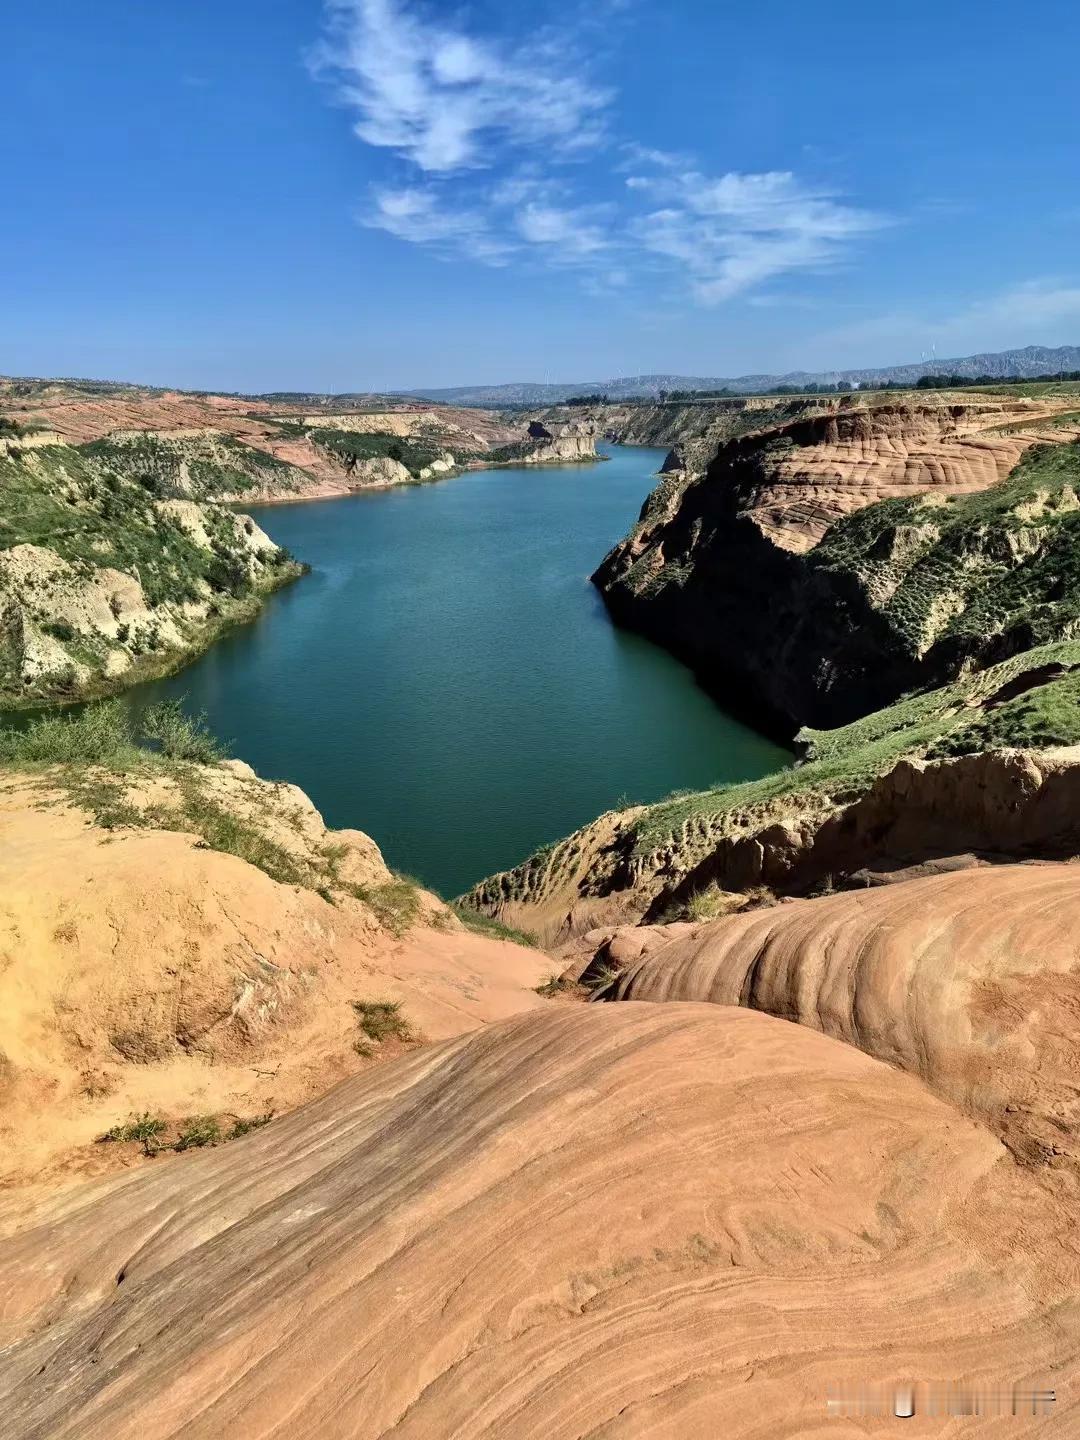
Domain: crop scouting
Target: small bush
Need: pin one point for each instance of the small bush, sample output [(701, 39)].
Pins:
[(396, 904), (145, 1128), (253, 1122), (181, 737), (99, 735), (554, 985), (712, 902), (382, 1020), (197, 1131)]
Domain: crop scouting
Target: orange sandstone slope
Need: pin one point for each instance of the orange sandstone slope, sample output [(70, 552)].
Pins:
[(619, 1221), (143, 972), (969, 980)]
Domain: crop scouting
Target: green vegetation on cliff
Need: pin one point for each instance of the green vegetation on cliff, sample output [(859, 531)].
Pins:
[(103, 580), (162, 771), (1030, 700), (971, 578), (195, 467), (354, 446)]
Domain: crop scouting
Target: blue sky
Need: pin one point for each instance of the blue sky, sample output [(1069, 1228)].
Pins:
[(389, 193)]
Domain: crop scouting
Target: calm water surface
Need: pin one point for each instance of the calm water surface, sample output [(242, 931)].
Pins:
[(447, 679)]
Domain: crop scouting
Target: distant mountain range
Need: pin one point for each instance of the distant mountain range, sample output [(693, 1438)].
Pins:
[(1028, 364)]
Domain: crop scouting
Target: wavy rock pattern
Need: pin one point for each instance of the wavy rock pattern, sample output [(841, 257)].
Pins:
[(618, 1221), (969, 980)]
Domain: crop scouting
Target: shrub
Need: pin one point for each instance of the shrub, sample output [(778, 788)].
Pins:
[(396, 903), (554, 985), (179, 736), (253, 1122), (197, 1131), (145, 1128), (100, 734), (382, 1020)]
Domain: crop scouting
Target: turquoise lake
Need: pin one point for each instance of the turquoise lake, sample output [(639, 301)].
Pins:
[(446, 678)]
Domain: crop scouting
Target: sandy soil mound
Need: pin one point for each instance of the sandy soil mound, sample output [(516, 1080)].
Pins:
[(970, 980), (141, 971), (633, 1220)]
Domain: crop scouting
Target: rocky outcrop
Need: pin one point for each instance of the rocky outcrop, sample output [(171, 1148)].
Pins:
[(698, 428), (730, 571), (967, 980), (378, 471), (551, 442), (189, 940), (635, 1220)]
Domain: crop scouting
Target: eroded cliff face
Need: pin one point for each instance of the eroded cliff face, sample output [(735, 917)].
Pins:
[(700, 428), (554, 441), (762, 573), (106, 578)]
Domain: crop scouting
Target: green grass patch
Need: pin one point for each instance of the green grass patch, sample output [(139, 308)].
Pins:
[(147, 1129), (396, 903), (494, 929), (197, 1131)]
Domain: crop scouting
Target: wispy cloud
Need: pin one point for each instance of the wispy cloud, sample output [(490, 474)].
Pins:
[(485, 128), (418, 214), (443, 98), (736, 231), (571, 234)]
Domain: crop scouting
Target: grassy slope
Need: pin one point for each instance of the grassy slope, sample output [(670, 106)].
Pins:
[(99, 760), (841, 763), (85, 506), (997, 569), (215, 465), (415, 455)]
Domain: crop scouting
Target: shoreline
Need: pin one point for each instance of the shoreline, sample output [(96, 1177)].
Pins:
[(145, 668), (378, 486)]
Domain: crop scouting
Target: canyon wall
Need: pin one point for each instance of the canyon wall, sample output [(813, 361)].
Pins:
[(762, 574)]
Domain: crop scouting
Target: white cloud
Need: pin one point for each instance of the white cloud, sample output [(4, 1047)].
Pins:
[(572, 234), (1034, 305), (446, 100), (636, 154), (739, 230), (452, 104), (415, 213)]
